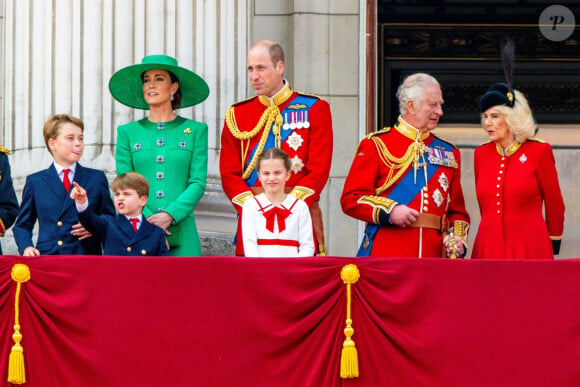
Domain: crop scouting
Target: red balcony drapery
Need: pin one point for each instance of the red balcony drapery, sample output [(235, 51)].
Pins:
[(229, 321)]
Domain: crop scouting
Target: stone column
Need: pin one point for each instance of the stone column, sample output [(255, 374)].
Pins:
[(59, 56), (322, 43)]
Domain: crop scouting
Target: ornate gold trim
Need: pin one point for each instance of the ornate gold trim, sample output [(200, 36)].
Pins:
[(410, 131), (241, 198), (395, 163), (460, 228), (301, 192), (379, 204), (510, 150), (278, 99)]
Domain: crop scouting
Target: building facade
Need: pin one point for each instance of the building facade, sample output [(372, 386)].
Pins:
[(58, 56)]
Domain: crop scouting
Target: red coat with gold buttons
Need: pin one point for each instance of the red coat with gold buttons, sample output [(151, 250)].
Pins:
[(512, 189), (375, 164)]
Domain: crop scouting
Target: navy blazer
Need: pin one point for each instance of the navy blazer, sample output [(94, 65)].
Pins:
[(8, 200), (119, 238), (45, 198)]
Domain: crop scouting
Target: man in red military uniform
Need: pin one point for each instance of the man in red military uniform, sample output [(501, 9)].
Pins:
[(300, 124), (405, 182)]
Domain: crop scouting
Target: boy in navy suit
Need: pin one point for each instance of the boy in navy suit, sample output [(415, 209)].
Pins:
[(46, 196), (128, 233)]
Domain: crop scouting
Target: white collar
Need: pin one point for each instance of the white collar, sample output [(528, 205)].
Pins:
[(60, 168)]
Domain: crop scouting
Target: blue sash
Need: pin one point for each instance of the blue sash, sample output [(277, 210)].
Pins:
[(405, 191), (298, 104)]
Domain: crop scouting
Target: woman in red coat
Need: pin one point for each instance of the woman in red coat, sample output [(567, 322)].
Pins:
[(515, 176)]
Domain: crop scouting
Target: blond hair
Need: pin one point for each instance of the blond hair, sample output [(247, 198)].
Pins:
[(519, 119), (51, 128)]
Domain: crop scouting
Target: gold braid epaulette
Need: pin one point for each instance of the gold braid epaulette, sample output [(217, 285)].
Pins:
[(270, 116), (383, 130), (394, 163), (4, 150)]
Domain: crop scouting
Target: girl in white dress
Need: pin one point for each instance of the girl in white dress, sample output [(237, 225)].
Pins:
[(275, 224)]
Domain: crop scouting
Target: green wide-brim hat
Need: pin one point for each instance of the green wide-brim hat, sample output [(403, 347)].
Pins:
[(126, 85)]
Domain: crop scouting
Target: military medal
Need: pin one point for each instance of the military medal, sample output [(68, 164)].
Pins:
[(293, 121), (306, 122), (296, 164), (286, 126), (444, 182), (294, 141), (438, 197), (299, 125)]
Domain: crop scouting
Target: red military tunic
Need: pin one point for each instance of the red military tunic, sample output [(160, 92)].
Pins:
[(306, 132), (511, 190), (383, 175)]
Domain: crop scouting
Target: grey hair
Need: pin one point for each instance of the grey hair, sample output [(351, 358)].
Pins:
[(519, 119), (412, 89)]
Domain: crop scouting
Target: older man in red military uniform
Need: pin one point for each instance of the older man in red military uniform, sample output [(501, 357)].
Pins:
[(298, 123), (405, 182)]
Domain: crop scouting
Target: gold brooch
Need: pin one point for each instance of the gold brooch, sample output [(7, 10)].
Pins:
[(510, 96), (187, 131)]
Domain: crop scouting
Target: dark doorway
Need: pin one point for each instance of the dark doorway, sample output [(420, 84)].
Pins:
[(458, 43)]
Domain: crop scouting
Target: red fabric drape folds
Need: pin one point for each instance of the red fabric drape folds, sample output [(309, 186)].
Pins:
[(230, 321)]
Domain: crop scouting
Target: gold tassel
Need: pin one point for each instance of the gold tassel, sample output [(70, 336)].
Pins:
[(349, 355), (16, 371)]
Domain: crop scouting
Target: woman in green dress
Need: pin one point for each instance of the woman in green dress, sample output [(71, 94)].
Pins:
[(169, 150)]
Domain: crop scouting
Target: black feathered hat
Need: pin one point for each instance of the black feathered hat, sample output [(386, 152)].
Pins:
[(501, 93)]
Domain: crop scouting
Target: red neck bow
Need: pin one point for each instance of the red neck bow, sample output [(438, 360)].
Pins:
[(279, 214)]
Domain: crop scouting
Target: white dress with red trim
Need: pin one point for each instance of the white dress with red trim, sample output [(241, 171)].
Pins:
[(277, 231)]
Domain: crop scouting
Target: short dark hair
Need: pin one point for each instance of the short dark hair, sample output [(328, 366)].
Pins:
[(131, 180), (274, 154)]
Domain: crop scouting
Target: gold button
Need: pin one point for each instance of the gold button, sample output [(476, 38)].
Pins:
[(500, 172), (499, 177), (498, 203), (129, 249), (502, 165), (497, 186), (425, 208), (498, 211), (425, 195), (497, 194), (143, 252), (59, 243), (59, 223), (503, 158), (425, 201)]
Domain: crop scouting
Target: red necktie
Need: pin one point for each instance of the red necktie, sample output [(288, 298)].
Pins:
[(279, 214), (134, 223), (65, 179)]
